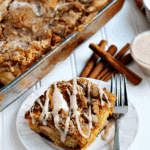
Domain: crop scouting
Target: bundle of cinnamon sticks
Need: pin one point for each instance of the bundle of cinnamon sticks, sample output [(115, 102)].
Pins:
[(109, 65)]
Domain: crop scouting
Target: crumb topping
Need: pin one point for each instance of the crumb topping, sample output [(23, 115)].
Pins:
[(31, 28)]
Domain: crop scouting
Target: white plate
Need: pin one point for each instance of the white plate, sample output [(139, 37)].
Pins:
[(32, 141)]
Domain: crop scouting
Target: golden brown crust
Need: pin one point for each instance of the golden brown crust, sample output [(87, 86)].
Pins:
[(31, 28), (100, 111)]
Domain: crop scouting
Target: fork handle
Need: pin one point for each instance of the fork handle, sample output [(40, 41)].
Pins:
[(116, 140)]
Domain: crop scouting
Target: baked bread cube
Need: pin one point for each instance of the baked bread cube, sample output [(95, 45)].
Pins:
[(71, 114)]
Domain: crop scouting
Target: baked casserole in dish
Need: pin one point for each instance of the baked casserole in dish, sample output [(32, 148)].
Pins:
[(31, 28), (30, 48)]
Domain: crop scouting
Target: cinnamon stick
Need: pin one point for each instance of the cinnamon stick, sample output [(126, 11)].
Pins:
[(118, 57), (123, 51), (100, 66), (135, 79), (92, 61), (125, 60)]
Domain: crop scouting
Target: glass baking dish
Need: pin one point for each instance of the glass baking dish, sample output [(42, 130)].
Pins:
[(21, 84)]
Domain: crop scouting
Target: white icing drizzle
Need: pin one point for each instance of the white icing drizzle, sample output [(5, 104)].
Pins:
[(101, 92), (67, 84), (68, 92), (45, 113), (79, 94), (60, 5), (106, 98), (74, 107), (31, 115), (59, 102), (37, 9), (63, 136), (89, 101), (39, 102)]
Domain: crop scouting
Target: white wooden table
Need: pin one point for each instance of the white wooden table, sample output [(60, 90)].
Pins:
[(118, 31)]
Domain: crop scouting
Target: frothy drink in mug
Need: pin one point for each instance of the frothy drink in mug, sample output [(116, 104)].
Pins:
[(140, 51)]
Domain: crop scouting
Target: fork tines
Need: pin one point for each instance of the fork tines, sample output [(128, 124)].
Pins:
[(122, 99)]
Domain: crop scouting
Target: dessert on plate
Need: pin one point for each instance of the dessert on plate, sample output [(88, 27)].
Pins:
[(72, 113), (31, 28)]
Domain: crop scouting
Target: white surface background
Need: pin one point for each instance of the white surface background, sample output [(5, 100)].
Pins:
[(118, 31)]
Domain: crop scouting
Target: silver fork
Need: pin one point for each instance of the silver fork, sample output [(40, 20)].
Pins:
[(121, 106)]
